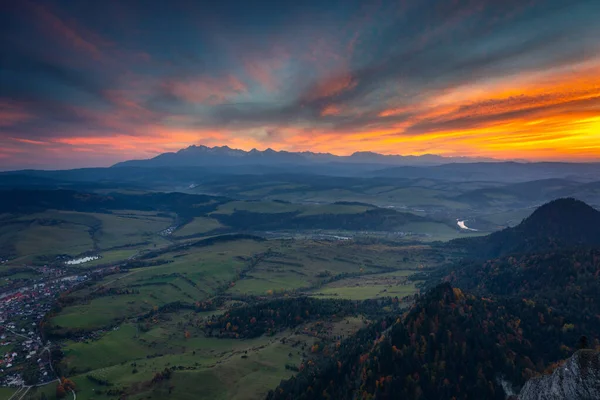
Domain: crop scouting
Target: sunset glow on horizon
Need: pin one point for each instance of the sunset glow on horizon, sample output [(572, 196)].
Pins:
[(95, 85)]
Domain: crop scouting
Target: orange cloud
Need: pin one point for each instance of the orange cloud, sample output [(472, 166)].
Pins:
[(331, 87), (29, 141), (330, 109), (396, 111)]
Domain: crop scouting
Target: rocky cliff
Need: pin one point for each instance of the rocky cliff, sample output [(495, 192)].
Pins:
[(577, 379)]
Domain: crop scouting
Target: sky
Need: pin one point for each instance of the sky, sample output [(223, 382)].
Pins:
[(93, 83)]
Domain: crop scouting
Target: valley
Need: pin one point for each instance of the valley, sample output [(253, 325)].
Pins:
[(248, 288), (300, 200)]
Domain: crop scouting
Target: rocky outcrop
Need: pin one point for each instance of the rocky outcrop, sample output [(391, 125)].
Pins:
[(577, 379)]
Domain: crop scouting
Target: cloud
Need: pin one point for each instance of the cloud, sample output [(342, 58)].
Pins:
[(82, 41), (12, 113), (462, 77), (207, 90)]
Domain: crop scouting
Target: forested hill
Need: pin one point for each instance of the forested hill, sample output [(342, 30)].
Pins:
[(450, 345), (548, 274), (28, 201), (558, 224), (566, 280)]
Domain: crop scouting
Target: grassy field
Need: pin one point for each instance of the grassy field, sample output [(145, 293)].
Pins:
[(369, 287), (196, 274), (215, 366), (43, 236), (117, 230), (5, 392), (33, 240), (186, 276), (365, 291), (198, 226), (301, 265)]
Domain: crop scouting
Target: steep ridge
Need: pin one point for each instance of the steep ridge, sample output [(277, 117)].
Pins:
[(577, 379), (562, 223)]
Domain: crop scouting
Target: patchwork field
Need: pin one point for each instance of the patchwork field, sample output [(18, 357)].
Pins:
[(223, 368), (125, 352), (185, 275), (42, 236), (148, 314)]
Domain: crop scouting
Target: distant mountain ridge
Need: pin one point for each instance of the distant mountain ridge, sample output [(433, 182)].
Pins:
[(224, 155), (560, 223)]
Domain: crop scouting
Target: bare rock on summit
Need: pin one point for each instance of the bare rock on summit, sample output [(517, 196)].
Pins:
[(577, 379)]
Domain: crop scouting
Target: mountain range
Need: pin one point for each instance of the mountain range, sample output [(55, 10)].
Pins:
[(195, 156), (226, 160)]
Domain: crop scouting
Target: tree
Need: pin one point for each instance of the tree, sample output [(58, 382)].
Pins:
[(67, 384), (60, 391), (583, 343)]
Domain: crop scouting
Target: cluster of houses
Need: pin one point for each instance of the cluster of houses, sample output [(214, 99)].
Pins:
[(169, 231), (21, 311)]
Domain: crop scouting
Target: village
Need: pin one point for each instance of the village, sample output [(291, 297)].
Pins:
[(25, 357)]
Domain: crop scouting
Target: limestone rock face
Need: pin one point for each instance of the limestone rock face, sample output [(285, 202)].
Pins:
[(577, 379)]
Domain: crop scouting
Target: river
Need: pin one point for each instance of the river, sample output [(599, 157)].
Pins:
[(461, 224)]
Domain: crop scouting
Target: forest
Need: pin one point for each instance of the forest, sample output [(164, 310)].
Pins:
[(450, 345)]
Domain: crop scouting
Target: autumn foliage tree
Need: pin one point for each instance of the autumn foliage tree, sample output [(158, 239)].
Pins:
[(451, 344), (66, 385), (60, 391)]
